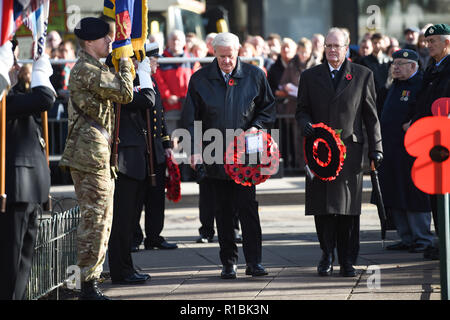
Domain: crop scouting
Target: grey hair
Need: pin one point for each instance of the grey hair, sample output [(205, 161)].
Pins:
[(226, 39), (180, 35), (341, 31), (445, 37)]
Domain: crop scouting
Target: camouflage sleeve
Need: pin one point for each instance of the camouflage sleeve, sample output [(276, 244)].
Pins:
[(116, 87)]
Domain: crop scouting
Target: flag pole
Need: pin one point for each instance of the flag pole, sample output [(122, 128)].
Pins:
[(3, 154)]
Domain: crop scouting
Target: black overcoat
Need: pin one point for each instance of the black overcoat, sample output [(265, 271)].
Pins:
[(27, 171), (396, 184), (348, 107), (247, 103)]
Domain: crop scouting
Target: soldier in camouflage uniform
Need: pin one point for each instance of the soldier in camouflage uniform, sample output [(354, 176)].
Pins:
[(93, 91)]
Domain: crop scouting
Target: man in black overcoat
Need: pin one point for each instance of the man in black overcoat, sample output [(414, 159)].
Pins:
[(341, 95), (27, 179), (229, 94)]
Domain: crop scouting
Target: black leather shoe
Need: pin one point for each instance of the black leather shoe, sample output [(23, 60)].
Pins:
[(164, 245), (90, 291), (229, 271), (255, 270), (133, 279), (325, 267), (347, 270), (400, 246), (418, 248)]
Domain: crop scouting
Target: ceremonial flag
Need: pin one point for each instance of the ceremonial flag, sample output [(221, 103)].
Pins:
[(37, 22), (12, 14), (131, 26)]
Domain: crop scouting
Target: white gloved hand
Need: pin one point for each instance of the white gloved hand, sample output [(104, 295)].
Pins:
[(6, 63), (144, 71), (41, 72)]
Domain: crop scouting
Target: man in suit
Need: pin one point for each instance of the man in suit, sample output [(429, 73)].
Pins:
[(229, 94), (341, 95), (27, 179)]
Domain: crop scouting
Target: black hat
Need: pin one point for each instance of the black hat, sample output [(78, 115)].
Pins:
[(438, 29), (324, 152), (91, 29), (406, 54)]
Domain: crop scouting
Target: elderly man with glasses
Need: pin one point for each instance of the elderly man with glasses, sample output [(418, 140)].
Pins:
[(410, 207)]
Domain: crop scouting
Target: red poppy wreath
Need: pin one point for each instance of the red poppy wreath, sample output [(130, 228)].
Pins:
[(251, 174), (173, 178), (324, 152)]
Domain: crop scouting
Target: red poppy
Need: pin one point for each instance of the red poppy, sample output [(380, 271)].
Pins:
[(428, 139), (348, 76), (231, 82)]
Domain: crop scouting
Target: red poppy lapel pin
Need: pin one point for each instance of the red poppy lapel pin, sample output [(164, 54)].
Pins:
[(348, 76), (231, 82)]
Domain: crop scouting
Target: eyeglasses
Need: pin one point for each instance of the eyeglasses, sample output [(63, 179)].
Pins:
[(334, 46), (398, 64)]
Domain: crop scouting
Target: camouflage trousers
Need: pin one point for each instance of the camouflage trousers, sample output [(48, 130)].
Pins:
[(95, 195)]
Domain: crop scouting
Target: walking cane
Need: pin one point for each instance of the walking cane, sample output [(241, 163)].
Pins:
[(150, 151), (3, 154)]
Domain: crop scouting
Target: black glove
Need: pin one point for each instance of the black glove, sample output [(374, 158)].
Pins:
[(376, 157), (308, 130)]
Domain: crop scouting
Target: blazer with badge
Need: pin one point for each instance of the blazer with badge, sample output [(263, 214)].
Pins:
[(133, 159), (27, 171), (347, 107)]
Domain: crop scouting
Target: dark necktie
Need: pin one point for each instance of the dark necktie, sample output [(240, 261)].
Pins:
[(227, 77), (334, 78)]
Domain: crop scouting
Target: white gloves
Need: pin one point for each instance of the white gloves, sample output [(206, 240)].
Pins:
[(6, 63), (291, 89), (41, 72), (144, 72)]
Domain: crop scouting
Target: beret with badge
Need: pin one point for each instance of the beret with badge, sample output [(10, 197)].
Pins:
[(91, 29), (406, 54), (438, 29)]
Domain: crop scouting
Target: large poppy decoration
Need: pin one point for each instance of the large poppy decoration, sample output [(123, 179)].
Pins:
[(428, 140), (324, 152), (173, 181), (244, 173)]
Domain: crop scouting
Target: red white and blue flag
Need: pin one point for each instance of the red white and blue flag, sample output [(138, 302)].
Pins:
[(13, 13)]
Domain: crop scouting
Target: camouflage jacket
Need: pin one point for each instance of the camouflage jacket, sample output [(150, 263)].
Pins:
[(94, 89)]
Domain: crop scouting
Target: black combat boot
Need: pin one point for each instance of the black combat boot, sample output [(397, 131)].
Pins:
[(90, 291)]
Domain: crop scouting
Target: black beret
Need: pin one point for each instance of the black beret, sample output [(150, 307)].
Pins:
[(91, 29), (406, 54), (438, 29)]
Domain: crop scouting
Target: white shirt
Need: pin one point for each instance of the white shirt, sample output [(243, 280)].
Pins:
[(331, 69)]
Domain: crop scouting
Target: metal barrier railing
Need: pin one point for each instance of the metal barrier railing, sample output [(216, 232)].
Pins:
[(55, 251)]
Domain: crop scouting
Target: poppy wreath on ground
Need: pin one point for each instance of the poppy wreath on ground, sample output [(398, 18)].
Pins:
[(324, 152), (173, 179), (251, 174)]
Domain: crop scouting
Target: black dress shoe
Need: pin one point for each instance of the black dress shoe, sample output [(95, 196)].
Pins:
[(418, 248), (229, 271), (90, 291), (255, 270), (133, 279), (164, 245), (144, 276), (400, 246), (325, 267), (347, 270)]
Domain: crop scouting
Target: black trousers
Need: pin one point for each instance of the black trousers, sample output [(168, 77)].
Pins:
[(126, 198), (153, 198), (232, 198), (207, 205), (18, 230), (341, 232)]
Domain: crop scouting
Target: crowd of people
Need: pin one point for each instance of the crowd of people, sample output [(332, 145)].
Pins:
[(382, 86)]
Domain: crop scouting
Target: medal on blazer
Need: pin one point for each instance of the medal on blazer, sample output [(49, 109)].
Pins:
[(405, 95), (324, 152)]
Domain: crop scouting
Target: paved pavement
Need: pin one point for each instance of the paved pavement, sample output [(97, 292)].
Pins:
[(290, 255)]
